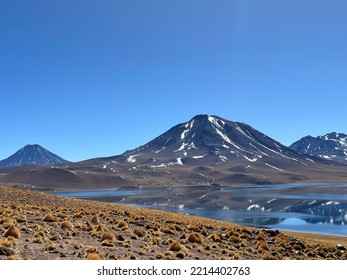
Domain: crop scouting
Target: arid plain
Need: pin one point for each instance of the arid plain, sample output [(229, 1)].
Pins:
[(37, 226)]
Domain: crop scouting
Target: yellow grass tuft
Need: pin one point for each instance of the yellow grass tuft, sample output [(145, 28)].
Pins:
[(123, 225), (261, 237), (67, 225), (108, 235), (94, 256), (6, 220), (195, 238), (12, 231), (245, 230), (48, 218), (268, 256), (54, 236), (193, 227), (7, 247), (95, 219), (176, 246), (263, 246), (44, 208), (139, 231), (159, 256), (168, 231), (14, 257), (244, 235), (310, 252), (235, 239), (204, 232), (215, 237)]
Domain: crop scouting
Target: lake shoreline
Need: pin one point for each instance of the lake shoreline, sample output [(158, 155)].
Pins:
[(294, 207)]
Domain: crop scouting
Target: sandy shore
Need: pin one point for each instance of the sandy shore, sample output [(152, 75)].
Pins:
[(37, 226)]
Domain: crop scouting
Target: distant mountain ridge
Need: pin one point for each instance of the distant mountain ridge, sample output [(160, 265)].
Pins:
[(331, 146), (207, 150), (32, 154)]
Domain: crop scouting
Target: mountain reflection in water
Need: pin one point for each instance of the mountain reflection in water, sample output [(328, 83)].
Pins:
[(317, 208)]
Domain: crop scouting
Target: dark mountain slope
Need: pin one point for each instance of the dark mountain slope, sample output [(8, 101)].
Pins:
[(32, 154), (332, 146)]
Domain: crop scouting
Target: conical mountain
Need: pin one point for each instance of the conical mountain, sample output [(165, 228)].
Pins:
[(32, 154), (212, 140)]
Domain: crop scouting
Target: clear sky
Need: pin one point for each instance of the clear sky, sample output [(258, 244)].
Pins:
[(91, 78)]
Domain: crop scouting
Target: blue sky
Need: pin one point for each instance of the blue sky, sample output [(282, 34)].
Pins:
[(88, 78)]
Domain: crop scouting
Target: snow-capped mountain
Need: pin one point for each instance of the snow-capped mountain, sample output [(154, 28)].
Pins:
[(332, 146), (32, 154), (211, 140), (204, 151)]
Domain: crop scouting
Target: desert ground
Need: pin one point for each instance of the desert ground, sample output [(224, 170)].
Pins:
[(37, 226)]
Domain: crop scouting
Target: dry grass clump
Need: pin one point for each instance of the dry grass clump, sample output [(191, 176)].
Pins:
[(176, 246), (7, 246), (14, 257), (12, 231), (95, 219), (193, 227), (21, 219), (6, 220), (168, 231), (155, 227), (235, 239), (67, 225), (123, 225), (338, 253), (139, 231), (50, 247), (44, 208), (245, 230), (229, 232), (215, 237), (263, 246), (159, 256), (204, 232), (94, 256), (261, 237), (54, 236), (245, 235), (195, 238), (49, 218), (108, 235), (268, 256)]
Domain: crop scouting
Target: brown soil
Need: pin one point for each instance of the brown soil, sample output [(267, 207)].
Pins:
[(36, 226)]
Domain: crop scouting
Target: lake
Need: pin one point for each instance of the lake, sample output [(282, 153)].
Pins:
[(315, 208)]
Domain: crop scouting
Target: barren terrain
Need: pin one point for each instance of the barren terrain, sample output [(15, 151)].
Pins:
[(36, 226)]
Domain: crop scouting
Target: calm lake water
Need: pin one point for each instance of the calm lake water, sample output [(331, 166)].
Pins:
[(316, 208)]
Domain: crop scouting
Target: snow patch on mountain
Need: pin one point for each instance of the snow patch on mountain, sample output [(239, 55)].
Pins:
[(198, 157), (274, 167), (254, 159), (132, 159)]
